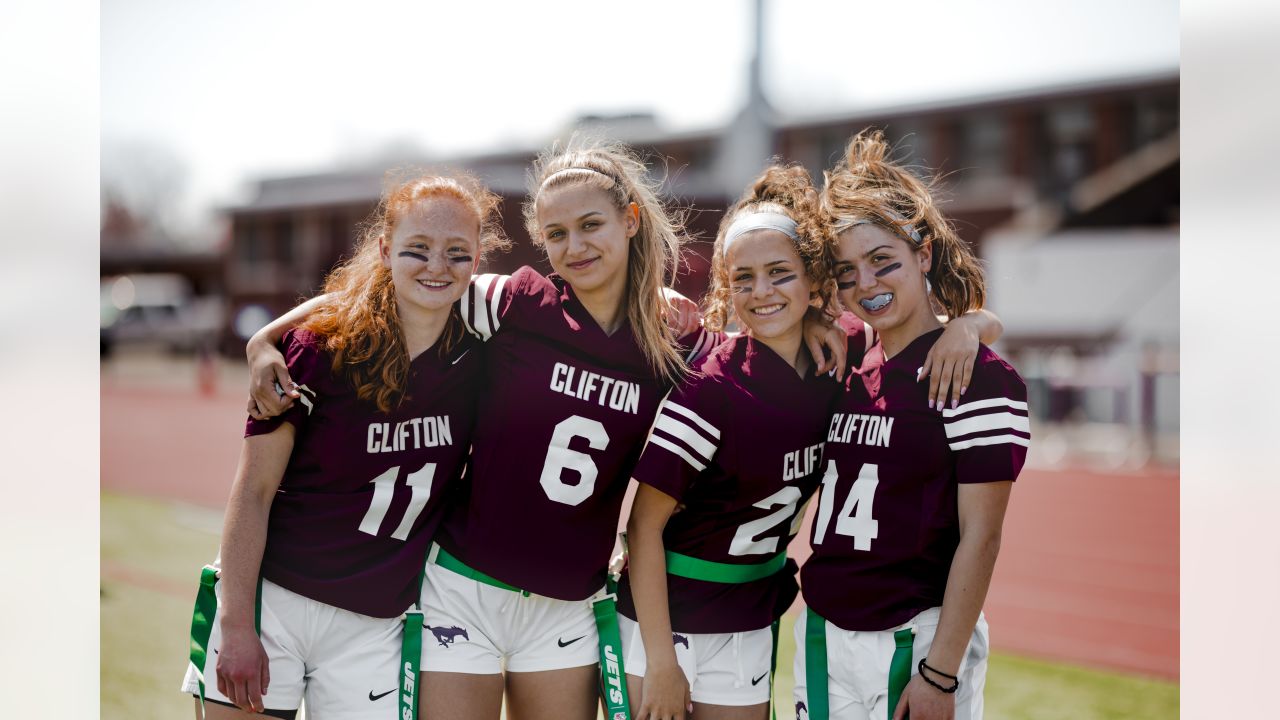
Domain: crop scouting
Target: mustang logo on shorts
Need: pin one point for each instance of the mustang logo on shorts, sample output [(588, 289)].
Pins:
[(801, 708), (446, 635), (677, 639)]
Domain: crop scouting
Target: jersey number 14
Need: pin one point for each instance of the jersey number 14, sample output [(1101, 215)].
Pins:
[(855, 519)]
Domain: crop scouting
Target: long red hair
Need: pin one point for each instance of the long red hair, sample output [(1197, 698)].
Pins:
[(359, 321)]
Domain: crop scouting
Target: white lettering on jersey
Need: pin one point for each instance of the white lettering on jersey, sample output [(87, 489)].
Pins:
[(414, 434), (595, 388), (800, 463), (857, 429)]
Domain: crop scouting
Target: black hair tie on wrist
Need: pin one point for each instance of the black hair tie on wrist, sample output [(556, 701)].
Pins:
[(955, 681)]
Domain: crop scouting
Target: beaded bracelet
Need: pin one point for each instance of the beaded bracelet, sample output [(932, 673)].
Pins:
[(955, 681)]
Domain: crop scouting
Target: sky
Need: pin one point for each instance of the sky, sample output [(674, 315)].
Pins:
[(200, 99)]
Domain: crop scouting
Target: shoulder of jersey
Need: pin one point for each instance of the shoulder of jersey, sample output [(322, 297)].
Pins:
[(990, 368), (491, 297)]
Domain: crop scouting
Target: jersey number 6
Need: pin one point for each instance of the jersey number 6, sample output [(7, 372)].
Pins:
[(561, 458)]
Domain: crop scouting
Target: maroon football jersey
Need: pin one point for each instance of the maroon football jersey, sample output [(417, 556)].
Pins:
[(564, 410), (887, 526), (739, 445), (363, 492)]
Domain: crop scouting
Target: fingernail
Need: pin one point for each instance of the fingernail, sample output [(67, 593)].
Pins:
[(954, 403), (963, 388)]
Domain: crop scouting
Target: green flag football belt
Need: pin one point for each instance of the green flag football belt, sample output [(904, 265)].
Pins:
[(206, 608), (694, 568), (613, 674), (815, 666), (718, 572), (202, 616)]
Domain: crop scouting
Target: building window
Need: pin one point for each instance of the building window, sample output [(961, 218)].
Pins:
[(983, 146)]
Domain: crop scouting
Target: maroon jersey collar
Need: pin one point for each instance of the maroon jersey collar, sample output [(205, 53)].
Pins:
[(910, 359)]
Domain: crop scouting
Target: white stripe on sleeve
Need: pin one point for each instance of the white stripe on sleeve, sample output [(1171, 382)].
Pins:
[(664, 443), (467, 301), (697, 347), (481, 313), (496, 302), (681, 431), (983, 404), (994, 421), (991, 440), (682, 410)]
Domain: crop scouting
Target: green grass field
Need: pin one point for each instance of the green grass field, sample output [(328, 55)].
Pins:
[(152, 552)]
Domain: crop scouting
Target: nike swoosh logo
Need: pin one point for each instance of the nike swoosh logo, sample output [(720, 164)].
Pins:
[(455, 362), (373, 697), (757, 680), (562, 643)]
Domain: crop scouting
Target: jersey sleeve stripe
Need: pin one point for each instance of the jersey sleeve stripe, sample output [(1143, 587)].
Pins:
[(696, 352), (995, 421), (664, 443), (983, 404), (482, 284), (991, 440), (468, 299), (495, 300), (681, 410), (681, 431)]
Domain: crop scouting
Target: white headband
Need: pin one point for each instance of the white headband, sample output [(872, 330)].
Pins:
[(759, 221), (903, 225)]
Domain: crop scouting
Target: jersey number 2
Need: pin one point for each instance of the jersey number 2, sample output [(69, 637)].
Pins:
[(855, 519), (384, 488), (561, 458)]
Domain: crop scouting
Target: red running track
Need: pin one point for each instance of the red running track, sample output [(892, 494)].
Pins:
[(1088, 570)]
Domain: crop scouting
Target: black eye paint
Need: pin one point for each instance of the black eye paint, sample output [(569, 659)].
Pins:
[(741, 289), (885, 271), (460, 259), (846, 284), (414, 255), (782, 281)]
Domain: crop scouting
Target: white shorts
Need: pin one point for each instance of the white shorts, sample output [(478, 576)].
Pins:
[(858, 668), (722, 668), (476, 628), (345, 664)]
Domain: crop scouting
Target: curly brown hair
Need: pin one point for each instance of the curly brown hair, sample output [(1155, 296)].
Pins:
[(359, 320), (868, 185), (653, 255), (789, 190)]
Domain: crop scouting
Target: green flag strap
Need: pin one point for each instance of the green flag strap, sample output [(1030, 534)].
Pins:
[(202, 623), (410, 659), (613, 673), (448, 561), (815, 665), (773, 669), (900, 666), (202, 616), (696, 569)]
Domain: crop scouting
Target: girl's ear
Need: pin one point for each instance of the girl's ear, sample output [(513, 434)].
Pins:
[(925, 255), (384, 251), (631, 219)]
